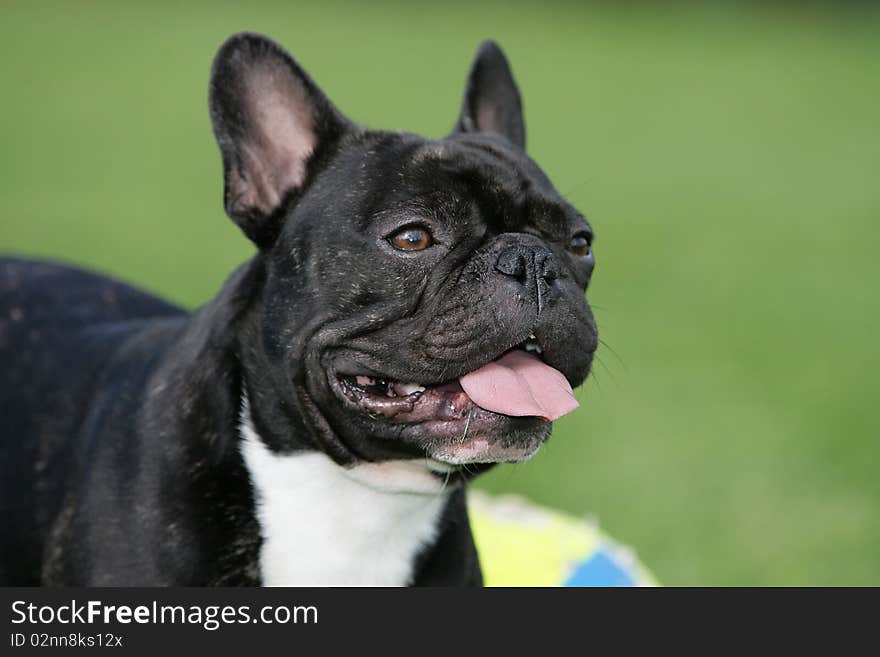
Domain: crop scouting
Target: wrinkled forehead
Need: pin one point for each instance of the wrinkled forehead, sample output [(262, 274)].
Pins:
[(474, 170)]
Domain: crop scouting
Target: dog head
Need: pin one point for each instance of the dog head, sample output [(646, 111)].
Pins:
[(423, 298)]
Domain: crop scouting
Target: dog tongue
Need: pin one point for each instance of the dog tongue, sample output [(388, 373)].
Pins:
[(520, 384)]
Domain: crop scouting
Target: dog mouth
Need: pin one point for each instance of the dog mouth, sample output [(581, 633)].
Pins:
[(467, 415)]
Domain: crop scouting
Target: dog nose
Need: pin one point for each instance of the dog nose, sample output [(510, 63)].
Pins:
[(532, 265), (528, 263)]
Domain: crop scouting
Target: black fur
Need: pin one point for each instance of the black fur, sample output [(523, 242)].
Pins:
[(120, 447)]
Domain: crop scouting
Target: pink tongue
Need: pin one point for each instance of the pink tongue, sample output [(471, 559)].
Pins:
[(519, 384)]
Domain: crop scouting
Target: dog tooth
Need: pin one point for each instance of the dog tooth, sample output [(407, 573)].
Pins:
[(532, 336), (410, 388), (365, 380)]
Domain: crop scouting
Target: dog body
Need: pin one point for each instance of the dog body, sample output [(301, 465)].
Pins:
[(137, 462), (315, 423)]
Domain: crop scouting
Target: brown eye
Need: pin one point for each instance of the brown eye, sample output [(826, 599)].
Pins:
[(411, 238), (580, 245)]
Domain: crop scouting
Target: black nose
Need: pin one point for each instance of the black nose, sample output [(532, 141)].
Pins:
[(532, 265)]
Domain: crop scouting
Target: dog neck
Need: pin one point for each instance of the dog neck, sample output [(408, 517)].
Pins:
[(323, 524)]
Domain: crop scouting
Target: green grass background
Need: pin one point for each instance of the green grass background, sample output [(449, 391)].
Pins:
[(726, 153)]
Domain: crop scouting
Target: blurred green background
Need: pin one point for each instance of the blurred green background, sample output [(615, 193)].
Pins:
[(727, 154)]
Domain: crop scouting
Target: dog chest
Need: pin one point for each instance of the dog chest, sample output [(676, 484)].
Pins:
[(324, 525)]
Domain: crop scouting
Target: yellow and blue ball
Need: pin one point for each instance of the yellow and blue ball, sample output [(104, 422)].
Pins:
[(522, 544)]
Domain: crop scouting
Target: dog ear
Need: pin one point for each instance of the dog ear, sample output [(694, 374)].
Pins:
[(491, 99), (272, 124)]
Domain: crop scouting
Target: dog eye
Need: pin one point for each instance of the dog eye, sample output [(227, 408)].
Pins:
[(580, 244), (411, 238)]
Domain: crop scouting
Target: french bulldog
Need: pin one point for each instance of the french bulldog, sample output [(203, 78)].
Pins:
[(414, 313)]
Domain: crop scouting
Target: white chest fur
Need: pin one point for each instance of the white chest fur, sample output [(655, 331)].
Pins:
[(325, 525)]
